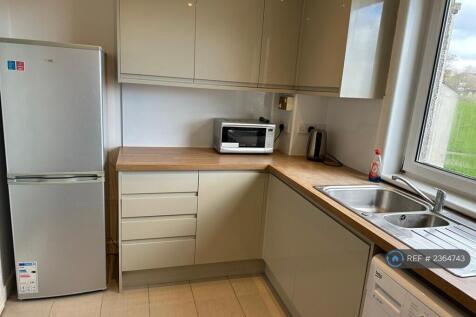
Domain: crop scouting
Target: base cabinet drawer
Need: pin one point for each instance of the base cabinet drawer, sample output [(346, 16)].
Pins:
[(160, 227), (159, 182), (158, 205), (157, 254)]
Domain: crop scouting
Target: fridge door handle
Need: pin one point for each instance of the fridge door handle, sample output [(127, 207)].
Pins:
[(56, 180)]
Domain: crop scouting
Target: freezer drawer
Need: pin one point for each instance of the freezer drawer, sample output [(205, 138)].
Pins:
[(158, 205), (156, 254), (60, 226)]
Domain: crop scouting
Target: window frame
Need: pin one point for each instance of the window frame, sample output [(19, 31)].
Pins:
[(411, 167)]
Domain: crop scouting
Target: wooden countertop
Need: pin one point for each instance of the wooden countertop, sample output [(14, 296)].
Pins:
[(301, 175)]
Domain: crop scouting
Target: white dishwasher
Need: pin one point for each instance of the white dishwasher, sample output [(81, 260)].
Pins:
[(392, 293)]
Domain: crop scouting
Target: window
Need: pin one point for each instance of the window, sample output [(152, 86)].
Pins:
[(449, 133), (442, 142)]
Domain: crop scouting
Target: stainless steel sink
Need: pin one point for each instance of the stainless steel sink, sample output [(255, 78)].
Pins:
[(373, 199), (409, 219), (419, 220)]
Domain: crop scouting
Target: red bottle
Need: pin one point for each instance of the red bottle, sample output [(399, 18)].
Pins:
[(376, 167)]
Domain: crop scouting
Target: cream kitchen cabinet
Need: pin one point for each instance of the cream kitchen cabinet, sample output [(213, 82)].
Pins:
[(157, 220), (156, 40), (230, 216), (345, 47), (281, 238), (330, 47), (322, 49), (331, 267), (180, 218), (316, 263), (228, 42), (159, 182), (280, 41), (174, 220)]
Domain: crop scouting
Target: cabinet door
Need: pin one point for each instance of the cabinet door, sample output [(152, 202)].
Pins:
[(323, 41), (229, 40), (230, 216), (279, 46), (281, 235), (316, 262), (157, 37), (331, 267)]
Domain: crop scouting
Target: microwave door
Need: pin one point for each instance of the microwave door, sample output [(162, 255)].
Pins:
[(244, 137)]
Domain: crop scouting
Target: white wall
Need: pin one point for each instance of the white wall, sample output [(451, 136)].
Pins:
[(174, 117), (310, 111), (352, 126), (285, 117)]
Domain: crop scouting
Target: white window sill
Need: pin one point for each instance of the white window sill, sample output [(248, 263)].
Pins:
[(456, 202)]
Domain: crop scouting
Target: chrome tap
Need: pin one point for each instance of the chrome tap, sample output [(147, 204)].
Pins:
[(440, 198)]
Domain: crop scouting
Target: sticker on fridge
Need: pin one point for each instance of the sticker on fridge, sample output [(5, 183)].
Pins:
[(12, 65), (20, 66), (27, 273)]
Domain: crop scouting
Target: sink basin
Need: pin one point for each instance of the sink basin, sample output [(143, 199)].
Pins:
[(418, 220), (373, 199), (407, 219)]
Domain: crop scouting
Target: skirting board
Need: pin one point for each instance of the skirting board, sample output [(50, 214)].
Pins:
[(190, 273)]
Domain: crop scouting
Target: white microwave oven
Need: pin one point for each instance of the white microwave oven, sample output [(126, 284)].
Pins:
[(243, 136)]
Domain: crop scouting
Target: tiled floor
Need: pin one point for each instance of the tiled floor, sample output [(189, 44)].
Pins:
[(235, 297)]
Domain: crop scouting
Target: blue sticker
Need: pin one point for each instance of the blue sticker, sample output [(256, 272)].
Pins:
[(11, 65), (25, 264)]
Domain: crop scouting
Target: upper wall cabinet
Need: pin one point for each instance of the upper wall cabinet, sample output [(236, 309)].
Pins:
[(156, 38), (229, 41), (323, 40), (345, 47), (331, 47), (279, 47)]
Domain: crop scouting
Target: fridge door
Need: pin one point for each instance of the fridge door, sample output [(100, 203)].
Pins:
[(52, 109), (59, 230)]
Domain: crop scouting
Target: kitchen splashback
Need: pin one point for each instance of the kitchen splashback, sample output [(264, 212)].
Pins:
[(178, 117)]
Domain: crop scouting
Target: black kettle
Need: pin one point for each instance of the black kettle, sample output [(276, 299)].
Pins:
[(317, 145)]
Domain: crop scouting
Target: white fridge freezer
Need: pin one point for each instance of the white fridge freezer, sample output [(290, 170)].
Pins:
[(52, 115)]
